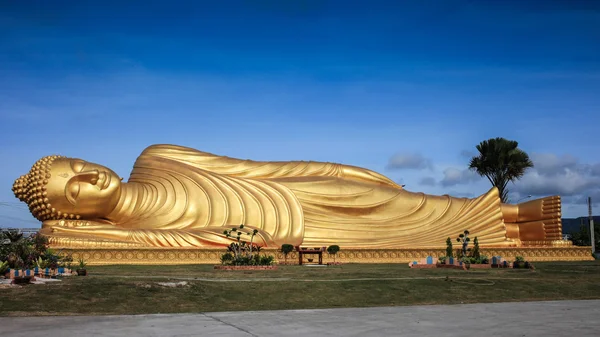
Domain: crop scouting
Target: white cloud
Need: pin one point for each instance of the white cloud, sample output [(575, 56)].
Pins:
[(560, 175), (568, 183), (408, 161), (427, 181), (454, 176), (551, 164), (467, 154), (462, 194)]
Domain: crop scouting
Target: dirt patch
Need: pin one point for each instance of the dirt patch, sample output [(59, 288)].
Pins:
[(173, 284)]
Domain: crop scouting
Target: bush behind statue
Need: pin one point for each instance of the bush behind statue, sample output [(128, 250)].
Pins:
[(243, 253), (20, 252), (228, 259), (466, 255)]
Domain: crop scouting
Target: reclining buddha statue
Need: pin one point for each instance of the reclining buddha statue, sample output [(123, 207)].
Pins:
[(181, 197)]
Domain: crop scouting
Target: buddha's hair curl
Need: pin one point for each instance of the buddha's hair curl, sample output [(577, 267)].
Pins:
[(31, 189)]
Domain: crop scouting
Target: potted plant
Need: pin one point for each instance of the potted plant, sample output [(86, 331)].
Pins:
[(81, 270), (40, 266), (4, 270), (442, 259), (466, 261), (519, 262)]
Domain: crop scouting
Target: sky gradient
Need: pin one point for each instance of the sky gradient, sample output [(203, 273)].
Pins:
[(403, 88)]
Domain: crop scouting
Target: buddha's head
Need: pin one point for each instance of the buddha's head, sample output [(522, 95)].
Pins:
[(57, 187)]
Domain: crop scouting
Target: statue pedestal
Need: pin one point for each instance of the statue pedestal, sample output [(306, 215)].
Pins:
[(174, 256)]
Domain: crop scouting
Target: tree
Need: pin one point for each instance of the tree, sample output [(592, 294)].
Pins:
[(583, 238), (475, 252), (464, 239), (501, 161), (13, 235), (286, 248), (449, 252), (333, 249)]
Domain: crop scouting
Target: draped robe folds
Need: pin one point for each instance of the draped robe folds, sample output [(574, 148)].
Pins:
[(297, 202)]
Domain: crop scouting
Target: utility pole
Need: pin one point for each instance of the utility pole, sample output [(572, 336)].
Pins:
[(591, 225)]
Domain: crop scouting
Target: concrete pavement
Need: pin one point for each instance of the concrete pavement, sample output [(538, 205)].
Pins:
[(556, 318)]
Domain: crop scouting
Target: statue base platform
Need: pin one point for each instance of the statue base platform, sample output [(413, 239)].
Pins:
[(175, 256)]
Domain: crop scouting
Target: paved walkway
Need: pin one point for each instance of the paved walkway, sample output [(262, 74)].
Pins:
[(559, 318)]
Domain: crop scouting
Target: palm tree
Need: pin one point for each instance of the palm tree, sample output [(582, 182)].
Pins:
[(500, 160), (13, 235)]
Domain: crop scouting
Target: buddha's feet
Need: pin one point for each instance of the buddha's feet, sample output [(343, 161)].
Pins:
[(540, 219)]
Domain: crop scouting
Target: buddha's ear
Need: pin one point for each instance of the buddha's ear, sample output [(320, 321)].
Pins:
[(71, 192)]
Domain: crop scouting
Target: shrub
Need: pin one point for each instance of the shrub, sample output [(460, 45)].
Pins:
[(226, 259), (484, 259), (3, 268), (266, 260), (465, 254), (449, 248), (22, 252), (286, 248), (466, 260), (17, 250), (81, 264), (333, 249), (240, 247), (520, 262), (243, 253), (475, 252), (54, 259)]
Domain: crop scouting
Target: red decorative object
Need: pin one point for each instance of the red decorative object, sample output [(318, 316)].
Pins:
[(219, 267), (307, 251)]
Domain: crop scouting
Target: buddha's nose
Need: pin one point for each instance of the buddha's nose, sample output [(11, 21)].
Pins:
[(92, 176)]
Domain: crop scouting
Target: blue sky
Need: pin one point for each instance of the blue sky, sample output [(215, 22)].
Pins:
[(406, 88)]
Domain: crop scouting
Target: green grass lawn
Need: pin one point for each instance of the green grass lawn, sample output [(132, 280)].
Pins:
[(134, 289)]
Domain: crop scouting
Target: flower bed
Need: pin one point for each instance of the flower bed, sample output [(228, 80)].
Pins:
[(449, 266), (479, 266), (23, 279), (334, 263), (46, 272), (423, 266), (462, 266), (221, 267)]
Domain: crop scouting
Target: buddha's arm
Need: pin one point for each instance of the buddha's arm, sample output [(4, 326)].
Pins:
[(205, 237), (263, 170), (48, 225)]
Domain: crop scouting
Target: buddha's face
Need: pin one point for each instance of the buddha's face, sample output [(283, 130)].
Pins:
[(80, 187)]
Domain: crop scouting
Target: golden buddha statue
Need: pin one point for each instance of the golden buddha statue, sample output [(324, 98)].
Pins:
[(181, 197)]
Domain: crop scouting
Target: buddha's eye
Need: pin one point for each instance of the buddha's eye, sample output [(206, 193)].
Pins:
[(77, 165)]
